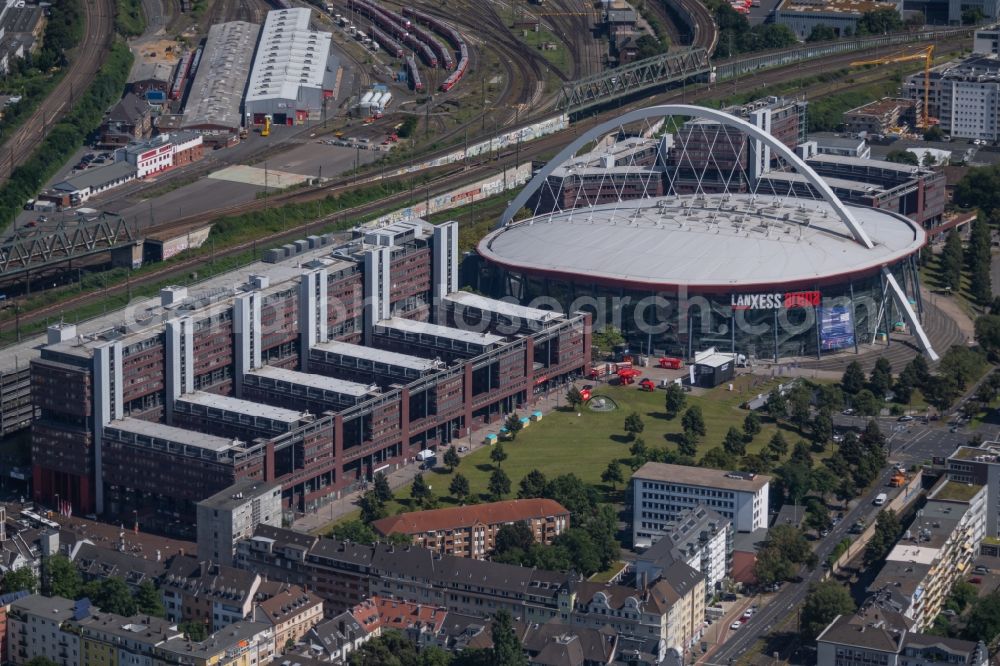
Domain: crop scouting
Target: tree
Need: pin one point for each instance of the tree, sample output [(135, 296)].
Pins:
[(776, 406), (507, 650), (796, 480), (499, 484), (799, 402), (823, 481), (607, 338), (649, 46), (573, 397), (777, 447), (687, 445), (612, 474), (867, 403), (514, 536), (751, 425), (900, 156), (853, 379), (880, 379), (420, 491), (634, 425), (459, 488), (532, 485), (984, 620), (771, 566), (941, 393), (693, 422), (498, 455), (149, 601), (372, 508), (20, 579), (817, 516), (638, 449), (62, 578), (824, 602), (734, 444), (879, 22), (756, 463), (933, 133), (717, 458), (821, 33), (513, 425), (979, 188), (829, 397), (801, 455), (381, 487), (674, 400), (822, 428), (950, 262), (355, 531), (451, 459), (887, 532), (111, 595)]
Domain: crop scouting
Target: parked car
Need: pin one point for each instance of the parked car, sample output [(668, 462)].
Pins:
[(976, 580), (463, 449), (905, 418), (981, 569), (736, 625), (848, 412)]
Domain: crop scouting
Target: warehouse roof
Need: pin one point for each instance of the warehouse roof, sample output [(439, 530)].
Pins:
[(721, 242), (218, 85), (151, 71), (290, 56)]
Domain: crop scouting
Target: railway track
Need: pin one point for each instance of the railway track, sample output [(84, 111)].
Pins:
[(90, 55)]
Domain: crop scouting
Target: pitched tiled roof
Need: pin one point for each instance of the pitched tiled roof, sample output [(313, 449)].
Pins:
[(492, 513)]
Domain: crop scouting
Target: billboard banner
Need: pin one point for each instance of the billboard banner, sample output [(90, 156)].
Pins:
[(836, 330)]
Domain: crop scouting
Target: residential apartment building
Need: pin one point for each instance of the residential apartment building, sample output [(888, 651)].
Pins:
[(291, 612), (699, 537), (131, 119), (239, 644), (158, 413), (670, 611), (964, 96), (661, 492), (107, 639), (939, 546), (980, 466), (214, 594), (881, 116), (34, 626), (233, 514), (877, 636), (5, 601), (470, 531)]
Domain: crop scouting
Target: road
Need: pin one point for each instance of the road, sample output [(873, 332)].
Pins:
[(90, 55), (909, 443)]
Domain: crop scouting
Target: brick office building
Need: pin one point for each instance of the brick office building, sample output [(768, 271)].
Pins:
[(192, 390)]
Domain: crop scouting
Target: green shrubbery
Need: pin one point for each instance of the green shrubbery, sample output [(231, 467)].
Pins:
[(68, 135), (129, 21)]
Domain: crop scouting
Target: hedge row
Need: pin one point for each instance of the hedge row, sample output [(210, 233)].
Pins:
[(68, 135)]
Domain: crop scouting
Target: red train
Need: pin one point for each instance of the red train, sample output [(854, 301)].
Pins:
[(397, 27), (454, 39), (391, 46), (180, 79), (411, 67)]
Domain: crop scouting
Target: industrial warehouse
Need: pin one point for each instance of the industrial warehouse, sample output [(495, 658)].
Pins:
[(701, 239), (260, 374), (293, 71)]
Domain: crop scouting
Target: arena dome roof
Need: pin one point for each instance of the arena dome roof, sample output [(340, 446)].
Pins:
[(721, 242)]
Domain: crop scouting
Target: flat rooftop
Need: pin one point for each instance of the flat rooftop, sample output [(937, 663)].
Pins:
[(988, 453), (835, 183), (707, 242), (174, 435), (238, 494), (226, 403), (217, 89), (959, 492), (857, 7), (702, 477), (974, 68), (378, 355), (320, 382), (413, 327), (509, 309)]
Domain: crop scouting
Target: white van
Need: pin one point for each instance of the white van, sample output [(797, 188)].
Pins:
[(880, 499)]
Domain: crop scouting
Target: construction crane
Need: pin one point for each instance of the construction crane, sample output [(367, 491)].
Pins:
[(927, 55)]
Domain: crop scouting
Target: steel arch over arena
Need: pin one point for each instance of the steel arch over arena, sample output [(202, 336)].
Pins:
[(731, 263)]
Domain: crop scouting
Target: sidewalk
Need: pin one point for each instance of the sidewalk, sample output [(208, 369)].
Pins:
[(403, 474)]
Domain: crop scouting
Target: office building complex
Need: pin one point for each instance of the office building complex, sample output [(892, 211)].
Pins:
[(661, 493), (253, 377), (233, 514)]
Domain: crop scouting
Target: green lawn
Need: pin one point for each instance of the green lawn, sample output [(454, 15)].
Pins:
[(564, 442)]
